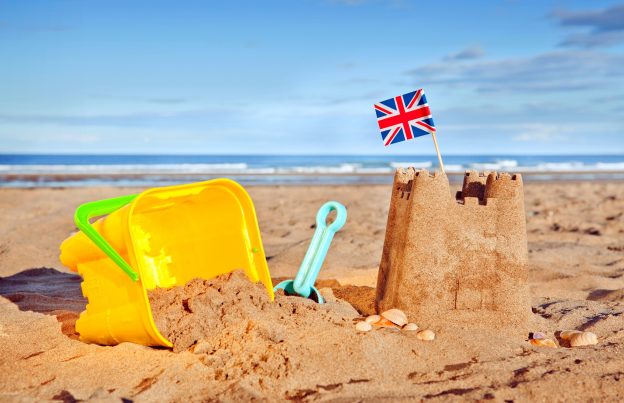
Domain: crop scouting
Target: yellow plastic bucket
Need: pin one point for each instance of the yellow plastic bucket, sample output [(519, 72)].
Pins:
[(163, 237)]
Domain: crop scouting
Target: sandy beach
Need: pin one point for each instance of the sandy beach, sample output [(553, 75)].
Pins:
[(576, 276)]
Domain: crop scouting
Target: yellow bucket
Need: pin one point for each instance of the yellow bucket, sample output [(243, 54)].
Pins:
[(163, 237)]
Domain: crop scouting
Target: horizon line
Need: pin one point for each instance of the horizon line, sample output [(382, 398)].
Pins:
[(67, 154)]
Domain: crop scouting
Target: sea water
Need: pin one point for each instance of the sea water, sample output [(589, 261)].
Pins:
[(157, 170)]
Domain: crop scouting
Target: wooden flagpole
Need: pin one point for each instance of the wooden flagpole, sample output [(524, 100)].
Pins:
[(435, 141)]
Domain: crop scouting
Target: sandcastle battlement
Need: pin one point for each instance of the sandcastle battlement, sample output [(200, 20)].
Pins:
[(483, 186), (461, 257)]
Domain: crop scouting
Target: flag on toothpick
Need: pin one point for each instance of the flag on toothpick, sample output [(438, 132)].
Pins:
[(406, 117)]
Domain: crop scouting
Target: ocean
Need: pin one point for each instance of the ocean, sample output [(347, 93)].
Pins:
[(159, 170)]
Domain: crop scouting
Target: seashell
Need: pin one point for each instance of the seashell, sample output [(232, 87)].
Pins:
[(383, 322), (567, 334), (583, 339), (410, 326), (544, 343), (373, 318), (426, 335), (395, 316), (363, 326), (538, 335)]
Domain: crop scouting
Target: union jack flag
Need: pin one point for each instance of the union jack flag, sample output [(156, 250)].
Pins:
[(404, 117)]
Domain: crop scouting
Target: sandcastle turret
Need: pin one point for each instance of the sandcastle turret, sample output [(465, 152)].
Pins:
[(459, 259)]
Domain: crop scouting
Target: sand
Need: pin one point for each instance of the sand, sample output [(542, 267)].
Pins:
[(456, 259), (207, 312), (576, 280)]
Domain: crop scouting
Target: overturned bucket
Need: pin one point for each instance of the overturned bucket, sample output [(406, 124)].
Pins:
[(162, 237)]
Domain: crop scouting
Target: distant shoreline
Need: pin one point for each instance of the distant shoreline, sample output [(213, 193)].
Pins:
[(161, 170), (234, 173), (28, 180)]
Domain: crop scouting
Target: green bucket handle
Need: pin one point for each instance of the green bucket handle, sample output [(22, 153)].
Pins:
[(97, 208)]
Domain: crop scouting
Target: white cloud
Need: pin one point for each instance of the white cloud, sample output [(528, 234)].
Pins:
[(541, 137)]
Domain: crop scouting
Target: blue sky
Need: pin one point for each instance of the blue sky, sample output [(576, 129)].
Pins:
[(300, 76)]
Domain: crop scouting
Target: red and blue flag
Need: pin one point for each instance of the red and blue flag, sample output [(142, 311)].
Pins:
[(404, 117)]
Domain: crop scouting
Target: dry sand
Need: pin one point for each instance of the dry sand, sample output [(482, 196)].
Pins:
[(576, 278), (457, 259)]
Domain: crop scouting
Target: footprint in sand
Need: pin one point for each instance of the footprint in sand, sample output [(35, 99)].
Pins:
[(607, 295)]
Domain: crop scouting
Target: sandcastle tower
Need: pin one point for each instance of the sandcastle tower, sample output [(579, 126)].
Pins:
[(459, 261)]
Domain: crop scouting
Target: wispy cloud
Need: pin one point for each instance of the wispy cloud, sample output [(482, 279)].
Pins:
[(610, 98), (367, 96), (608, 19), (593, 39), (144, 119), (471, 52), (553, 71), (606, 26), (347, 65), (541, 134)]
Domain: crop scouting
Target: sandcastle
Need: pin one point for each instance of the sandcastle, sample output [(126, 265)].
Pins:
[(459, 261)]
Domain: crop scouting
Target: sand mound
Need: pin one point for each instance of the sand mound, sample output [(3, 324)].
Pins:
[(240, 334), (297, 349), (210, 311)]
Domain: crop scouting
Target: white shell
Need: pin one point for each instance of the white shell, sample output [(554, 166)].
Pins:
[(395, 316), (583, 339), (426, 335), (538, 335), (363, 326), (410, 326), (372, 319), (567, 334)]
